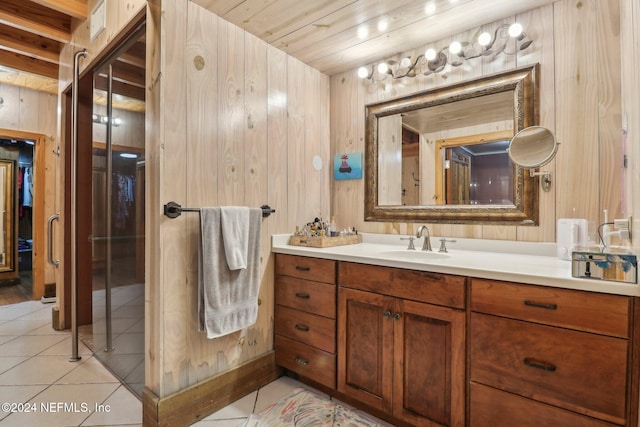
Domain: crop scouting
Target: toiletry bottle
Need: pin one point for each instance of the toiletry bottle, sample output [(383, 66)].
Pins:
[(332, 227)]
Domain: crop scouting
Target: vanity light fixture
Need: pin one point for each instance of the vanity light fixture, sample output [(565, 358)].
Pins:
[(99, 118), (507, 39)]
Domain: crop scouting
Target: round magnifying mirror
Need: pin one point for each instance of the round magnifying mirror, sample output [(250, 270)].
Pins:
[(533, 147)]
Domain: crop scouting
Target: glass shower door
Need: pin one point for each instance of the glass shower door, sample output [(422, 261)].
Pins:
[(118, 233)]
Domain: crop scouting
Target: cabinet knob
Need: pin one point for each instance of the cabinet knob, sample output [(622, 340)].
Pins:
[(396, 316), (387, 314)]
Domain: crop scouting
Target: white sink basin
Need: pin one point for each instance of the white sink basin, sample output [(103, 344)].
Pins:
[(417, 254)]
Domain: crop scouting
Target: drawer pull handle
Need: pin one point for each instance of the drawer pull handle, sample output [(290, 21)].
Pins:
[(302, 328), (540, 305), (301, 361), (302, 295), (300, 268), (539, 364)]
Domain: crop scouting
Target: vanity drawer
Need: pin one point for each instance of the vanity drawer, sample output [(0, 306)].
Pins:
[(580, 371), (588, 311), (311, 329), (307, 361), (496, 408), (423, 286), (319, 270), (313, 297)]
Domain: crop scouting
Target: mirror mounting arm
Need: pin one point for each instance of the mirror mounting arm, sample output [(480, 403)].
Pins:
[(546, 179)]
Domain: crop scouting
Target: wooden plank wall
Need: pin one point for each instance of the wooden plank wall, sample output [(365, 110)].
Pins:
[(578, 47), (239, 123), (28, 110)]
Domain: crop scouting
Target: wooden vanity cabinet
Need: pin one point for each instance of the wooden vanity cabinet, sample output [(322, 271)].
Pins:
[(397, 350), (543, 355), (305, 313)]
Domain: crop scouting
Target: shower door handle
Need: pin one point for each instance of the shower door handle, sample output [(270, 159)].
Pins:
[(50, 259)]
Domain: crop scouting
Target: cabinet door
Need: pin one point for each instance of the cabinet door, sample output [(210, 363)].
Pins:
[(429, 364), (365, 347)]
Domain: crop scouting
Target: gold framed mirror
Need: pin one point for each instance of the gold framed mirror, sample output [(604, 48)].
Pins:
[(7, 209), (415, 125)]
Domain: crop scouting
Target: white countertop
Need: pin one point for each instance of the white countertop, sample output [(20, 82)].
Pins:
[(522, 262)]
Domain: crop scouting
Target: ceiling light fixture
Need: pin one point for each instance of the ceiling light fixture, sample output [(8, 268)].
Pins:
[(506, 39)]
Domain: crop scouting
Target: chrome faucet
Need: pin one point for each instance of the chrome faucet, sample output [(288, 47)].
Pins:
[(426, 246)]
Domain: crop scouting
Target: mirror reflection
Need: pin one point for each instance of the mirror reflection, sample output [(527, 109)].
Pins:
[(457, 163), (442, 155)]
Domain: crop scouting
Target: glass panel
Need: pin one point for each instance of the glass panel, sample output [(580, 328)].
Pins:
[(118, 214)]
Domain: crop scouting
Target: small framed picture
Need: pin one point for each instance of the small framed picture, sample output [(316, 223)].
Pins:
[(347, 166)]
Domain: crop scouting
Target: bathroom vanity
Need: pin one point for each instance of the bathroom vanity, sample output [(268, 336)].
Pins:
[(473, 337)]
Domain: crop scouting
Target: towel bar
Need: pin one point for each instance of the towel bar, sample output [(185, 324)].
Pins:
[(174, 210)]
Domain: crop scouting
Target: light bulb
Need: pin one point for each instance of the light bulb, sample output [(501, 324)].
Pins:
[(383, 24), (363, 72), (455, 48), (430, 8), (405, 63), (515, 30), (484, 39), (383, 67), (430, 54), (117, 121)]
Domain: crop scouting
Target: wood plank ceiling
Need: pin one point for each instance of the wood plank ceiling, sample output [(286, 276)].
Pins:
[(33, 32), (32, 35), (332, 36)]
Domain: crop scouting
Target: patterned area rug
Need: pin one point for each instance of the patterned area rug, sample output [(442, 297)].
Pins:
[(302, 408)]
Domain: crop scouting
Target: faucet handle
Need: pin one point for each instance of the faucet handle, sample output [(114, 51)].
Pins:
[(410, 239), (443, 245)]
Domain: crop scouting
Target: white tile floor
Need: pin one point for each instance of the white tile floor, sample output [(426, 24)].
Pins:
[(36, 374)]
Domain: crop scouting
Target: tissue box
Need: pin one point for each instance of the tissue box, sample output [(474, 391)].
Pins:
[(593, 263)]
